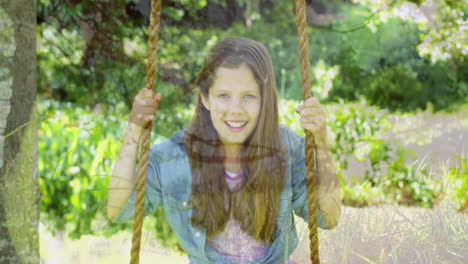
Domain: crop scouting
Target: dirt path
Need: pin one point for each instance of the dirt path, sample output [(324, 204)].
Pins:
[(436, 140)]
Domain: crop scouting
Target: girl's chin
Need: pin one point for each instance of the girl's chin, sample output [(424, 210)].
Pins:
[(233, 141)]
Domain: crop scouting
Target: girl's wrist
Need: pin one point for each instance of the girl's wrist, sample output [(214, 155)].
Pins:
[(134, 129), (321, 140), (321, 143)]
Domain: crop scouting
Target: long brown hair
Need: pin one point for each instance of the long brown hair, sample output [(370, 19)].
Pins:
[(263, 157)]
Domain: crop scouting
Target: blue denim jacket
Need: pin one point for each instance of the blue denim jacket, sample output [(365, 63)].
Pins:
[(169, 173)]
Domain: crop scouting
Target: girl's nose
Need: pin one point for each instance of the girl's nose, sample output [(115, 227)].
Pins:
[(236, 105)]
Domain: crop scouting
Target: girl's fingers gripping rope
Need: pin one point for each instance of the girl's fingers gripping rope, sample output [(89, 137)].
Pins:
[(144, 107)]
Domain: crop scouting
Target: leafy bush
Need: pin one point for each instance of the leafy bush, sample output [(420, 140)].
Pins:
[(401, 184), (63, 76), (380, 61), (361, 194), (410, 184), (458, 178), (357, 130), (77, 148)]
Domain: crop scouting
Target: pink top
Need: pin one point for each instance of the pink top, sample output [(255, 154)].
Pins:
[(233, 243)]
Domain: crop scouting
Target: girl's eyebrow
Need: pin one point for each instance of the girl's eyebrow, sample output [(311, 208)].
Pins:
[(226, 91)]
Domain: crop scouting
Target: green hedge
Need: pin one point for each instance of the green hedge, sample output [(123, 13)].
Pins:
[(379, 62)]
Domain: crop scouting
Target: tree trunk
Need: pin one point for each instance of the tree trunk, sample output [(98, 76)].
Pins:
[(19, 192)]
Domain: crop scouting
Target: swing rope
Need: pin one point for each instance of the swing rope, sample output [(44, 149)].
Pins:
[(145, 143), (309, 138), (151, 64)]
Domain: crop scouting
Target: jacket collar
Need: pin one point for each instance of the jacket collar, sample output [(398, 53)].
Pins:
[(179, 136)]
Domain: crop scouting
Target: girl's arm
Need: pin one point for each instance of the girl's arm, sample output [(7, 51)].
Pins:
[(313, 118), (328, 192), (123, 177)]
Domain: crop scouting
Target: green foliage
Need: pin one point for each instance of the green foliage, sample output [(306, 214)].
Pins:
[(401, 184), (357, 130), (63, 75), (361, 194), (172, 115), (458, 178), (77, 148), (288, 115), (410, 184), (444, 38), (382, 61), (354, 130)]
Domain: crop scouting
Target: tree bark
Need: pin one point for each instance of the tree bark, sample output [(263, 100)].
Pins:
[(19, 192)]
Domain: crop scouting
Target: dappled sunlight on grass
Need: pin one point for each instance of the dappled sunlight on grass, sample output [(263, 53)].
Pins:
[(101, 250), (391, 234)]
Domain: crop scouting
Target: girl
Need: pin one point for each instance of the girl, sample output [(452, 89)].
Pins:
[(230, 182)]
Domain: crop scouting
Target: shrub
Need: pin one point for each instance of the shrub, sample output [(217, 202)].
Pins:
[(77, 148), (410, 184), (361, 194), (458, 178), (357, 130)]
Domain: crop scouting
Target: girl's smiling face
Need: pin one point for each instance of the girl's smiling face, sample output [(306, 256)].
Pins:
[(234, 102)]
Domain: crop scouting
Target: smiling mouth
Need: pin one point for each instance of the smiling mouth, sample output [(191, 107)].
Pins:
[(236, 125)]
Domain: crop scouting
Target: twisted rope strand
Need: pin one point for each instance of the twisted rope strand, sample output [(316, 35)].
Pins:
[(309, 138), (146, 136)]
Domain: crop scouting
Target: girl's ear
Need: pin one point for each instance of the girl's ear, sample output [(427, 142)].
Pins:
[(205, 102)]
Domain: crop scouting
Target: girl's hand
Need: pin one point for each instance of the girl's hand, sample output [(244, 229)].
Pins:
[(144, 107), (313, 118)]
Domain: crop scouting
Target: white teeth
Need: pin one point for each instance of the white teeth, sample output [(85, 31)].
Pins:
[(236, 124)]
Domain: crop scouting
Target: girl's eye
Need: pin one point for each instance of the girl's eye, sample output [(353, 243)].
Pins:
[(223, 96), (250, 96)]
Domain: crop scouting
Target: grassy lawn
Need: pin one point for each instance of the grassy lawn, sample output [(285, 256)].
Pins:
[(390, 234), (95, 249), (385, 234)]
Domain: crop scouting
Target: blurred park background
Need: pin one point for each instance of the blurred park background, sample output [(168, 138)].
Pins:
[(391, 74)]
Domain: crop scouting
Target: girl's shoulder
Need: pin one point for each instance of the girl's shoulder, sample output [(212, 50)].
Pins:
[(171, 148), (291, 139)]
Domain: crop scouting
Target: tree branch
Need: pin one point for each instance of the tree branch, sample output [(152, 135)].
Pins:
[(330, 28)]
